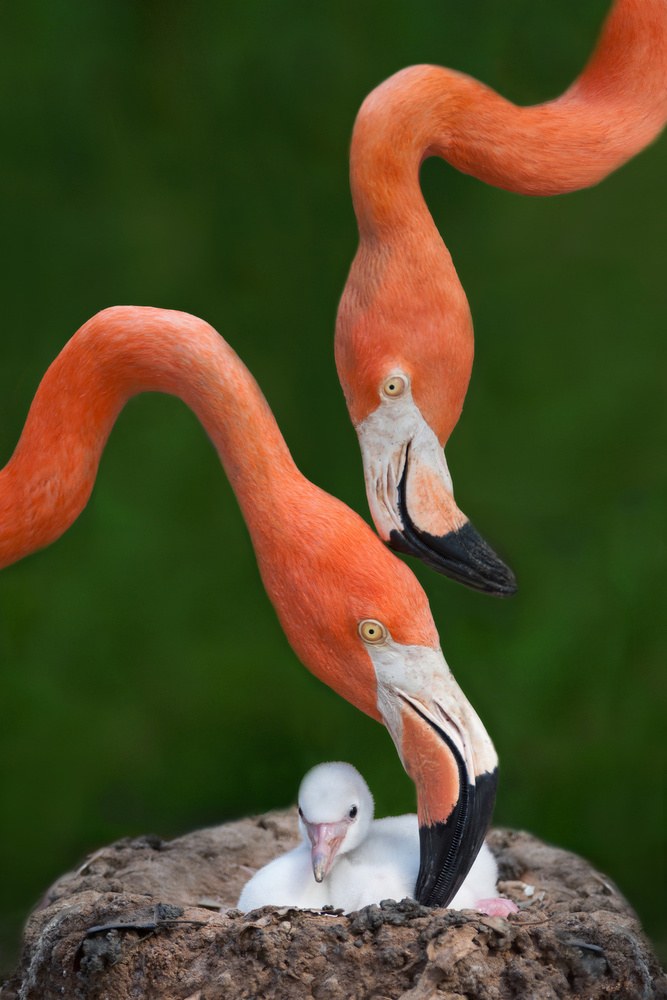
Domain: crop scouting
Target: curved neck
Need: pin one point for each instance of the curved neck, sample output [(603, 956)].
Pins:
[(117, 354), (613, 110)]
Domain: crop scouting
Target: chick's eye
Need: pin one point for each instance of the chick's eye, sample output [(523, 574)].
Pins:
[(300, 812), (372, 630), (394, 386), (353, 812)]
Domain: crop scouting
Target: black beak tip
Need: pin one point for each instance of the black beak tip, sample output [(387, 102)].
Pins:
[(462, 555), (448, 849)]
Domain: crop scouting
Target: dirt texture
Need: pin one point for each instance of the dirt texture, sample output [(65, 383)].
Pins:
[(148, 919)]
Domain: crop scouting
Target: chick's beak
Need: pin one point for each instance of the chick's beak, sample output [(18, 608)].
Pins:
[(326, 839)]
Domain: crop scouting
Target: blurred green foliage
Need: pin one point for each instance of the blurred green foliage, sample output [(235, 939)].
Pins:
[(194, 155)]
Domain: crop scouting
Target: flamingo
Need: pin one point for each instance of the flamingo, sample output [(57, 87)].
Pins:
[(404, 336), (354, 614), (347, 859)]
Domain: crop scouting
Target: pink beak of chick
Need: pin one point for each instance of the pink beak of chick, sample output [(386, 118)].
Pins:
[(326, 839)]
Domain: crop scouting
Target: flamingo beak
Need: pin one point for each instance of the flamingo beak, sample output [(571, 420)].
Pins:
[(448, 848), (325, 839), (447, 752), (411, 498), (452, 826), (459, 552), (449, 755)]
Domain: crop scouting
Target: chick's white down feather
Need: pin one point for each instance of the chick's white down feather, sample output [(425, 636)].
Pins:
[(377, 858)]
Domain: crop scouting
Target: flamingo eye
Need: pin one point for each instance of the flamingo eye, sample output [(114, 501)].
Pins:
[(353, 812), (372, 631), (395, 386)]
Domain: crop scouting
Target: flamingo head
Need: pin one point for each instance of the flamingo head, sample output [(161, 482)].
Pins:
[(404, 351), (358, 618)]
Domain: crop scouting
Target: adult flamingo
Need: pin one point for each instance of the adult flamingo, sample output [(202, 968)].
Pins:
[(353, 613), (404, 337)]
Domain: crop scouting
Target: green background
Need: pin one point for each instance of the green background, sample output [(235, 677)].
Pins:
[(194, 156)]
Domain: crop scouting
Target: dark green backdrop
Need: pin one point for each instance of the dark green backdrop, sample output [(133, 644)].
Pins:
[(194, 156)]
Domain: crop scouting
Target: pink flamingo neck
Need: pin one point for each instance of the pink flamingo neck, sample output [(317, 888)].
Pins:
[(116, 355), (323, 568), (616, 107), (403, 305)]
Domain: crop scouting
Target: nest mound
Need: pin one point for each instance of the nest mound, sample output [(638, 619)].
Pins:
[(153, 919)]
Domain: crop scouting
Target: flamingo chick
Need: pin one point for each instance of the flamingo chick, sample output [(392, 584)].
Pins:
[(348, 860), (404, 336), (353, 613)]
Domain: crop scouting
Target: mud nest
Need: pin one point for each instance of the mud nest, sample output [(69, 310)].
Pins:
[(151, 919)]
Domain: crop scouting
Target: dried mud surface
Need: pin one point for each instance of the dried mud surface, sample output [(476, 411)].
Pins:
[(148, 919)]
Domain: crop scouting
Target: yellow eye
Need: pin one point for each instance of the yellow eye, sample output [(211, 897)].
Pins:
[(372, 631), (394, 386)]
